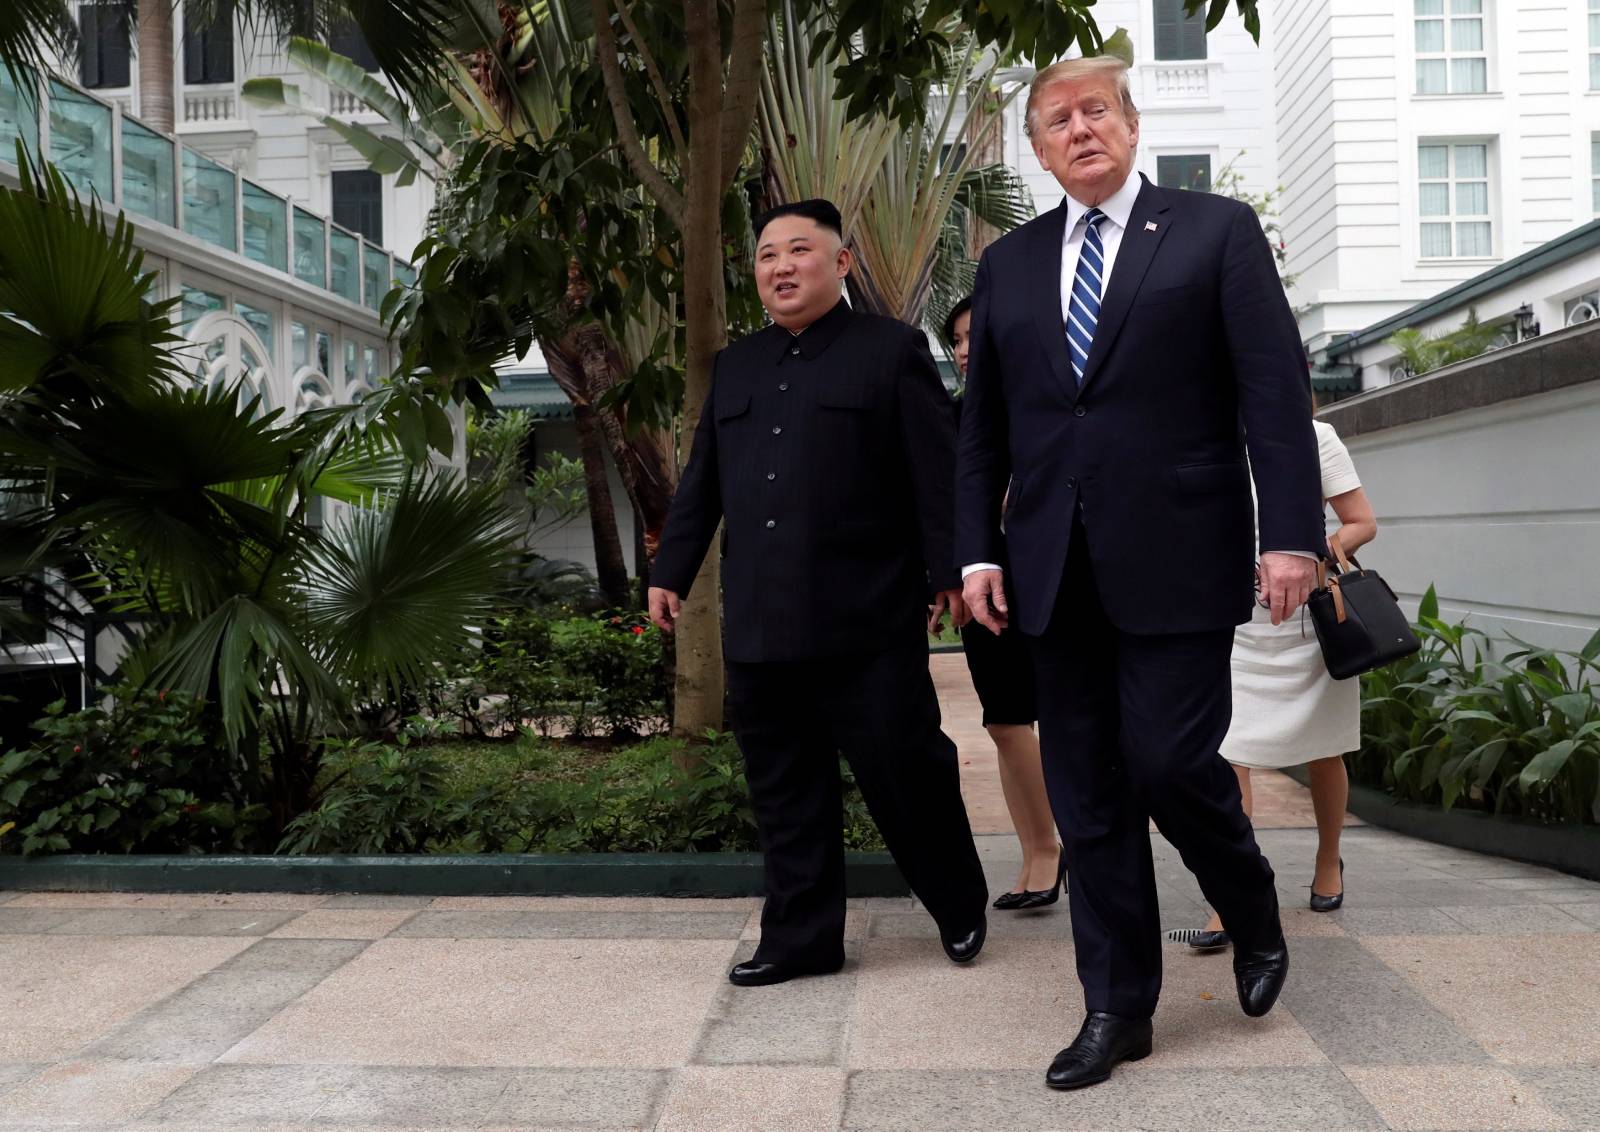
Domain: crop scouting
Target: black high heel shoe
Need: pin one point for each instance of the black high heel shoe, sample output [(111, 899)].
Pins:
[(1007, 900), (1320, 903), (1043, 898)]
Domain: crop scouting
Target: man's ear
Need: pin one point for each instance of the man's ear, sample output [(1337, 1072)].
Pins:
[(844, 262)]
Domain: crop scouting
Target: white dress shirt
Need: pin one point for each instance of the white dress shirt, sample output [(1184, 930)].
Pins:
[(1118, 208)]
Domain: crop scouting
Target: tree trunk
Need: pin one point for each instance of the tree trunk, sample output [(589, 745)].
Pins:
[(699, 683), (156, 85), (611, 568)]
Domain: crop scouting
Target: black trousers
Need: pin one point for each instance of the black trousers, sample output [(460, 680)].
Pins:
[(792, 720), (1129, 728)]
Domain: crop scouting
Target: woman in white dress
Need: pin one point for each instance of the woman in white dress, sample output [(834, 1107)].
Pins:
[(1287, 710)]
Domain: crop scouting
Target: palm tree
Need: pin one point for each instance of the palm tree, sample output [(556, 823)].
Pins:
[(188, 507)]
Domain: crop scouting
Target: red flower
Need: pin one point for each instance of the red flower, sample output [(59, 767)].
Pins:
[(77, 750), (638, 630)]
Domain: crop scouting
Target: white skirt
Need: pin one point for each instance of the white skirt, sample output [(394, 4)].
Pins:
[(1287, 710)]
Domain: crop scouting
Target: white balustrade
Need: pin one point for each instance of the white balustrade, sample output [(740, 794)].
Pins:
[(209, 104), (1175, 81)]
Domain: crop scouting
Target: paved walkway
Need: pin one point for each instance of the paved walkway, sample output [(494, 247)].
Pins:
[(1454, 991)]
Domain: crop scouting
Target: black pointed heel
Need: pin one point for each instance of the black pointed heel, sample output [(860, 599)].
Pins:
[(1043, 898), (1007, 900), (1320, 903)]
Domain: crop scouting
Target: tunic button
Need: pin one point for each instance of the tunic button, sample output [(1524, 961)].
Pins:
[(1080, 411), (771, 523), (1072, 481), (772, 475), (783, 387), (777, 430)]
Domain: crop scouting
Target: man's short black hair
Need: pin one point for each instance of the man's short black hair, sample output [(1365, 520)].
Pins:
[(824, 212), (956, 312)]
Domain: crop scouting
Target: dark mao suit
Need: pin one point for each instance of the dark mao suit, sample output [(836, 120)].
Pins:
[(1128, 534), (830, 457)]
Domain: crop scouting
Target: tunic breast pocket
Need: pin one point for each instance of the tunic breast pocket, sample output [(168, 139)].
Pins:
[(731, 406)]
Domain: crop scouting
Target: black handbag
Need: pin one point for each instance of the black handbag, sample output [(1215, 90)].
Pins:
[(1359, 623)]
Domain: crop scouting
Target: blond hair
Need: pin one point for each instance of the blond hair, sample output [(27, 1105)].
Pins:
[(1068, 70)]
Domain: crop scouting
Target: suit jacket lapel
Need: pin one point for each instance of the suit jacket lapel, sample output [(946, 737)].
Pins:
[(1045, 284), (1139, 244)]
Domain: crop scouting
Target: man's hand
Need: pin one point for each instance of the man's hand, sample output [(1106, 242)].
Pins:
[(948, 600), (664, 606), (984, 592), (1286, 582)]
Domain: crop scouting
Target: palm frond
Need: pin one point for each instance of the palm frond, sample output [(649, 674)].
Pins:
[(33, 30)]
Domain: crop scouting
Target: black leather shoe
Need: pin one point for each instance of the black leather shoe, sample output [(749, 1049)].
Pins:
[(964, 947), (1260, 975), (1209, 941), (759, 973), (1104, 1040), (1044, 897), (1320, 903), (1007, 900)]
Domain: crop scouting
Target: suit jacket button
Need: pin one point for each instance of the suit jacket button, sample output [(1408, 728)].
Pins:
[(794, 350), (777, 430), (772, 475), (783, 387), (1080, 411), (1072, 481), (771, 523)]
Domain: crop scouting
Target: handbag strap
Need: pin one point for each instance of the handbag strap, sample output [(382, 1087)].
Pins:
[(1338, 552)]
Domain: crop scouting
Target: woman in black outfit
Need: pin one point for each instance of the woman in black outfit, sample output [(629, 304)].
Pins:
[(1002, 674)]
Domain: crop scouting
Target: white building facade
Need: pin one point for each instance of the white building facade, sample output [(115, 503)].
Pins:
[(1423, 142), (288, 153)]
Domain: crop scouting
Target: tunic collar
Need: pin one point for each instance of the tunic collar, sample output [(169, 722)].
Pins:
[(817, 337)]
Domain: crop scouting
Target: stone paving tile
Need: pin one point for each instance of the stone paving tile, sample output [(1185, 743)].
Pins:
[(1589, 913), (1360, 921), (594, 904), (1305, 922), (1362, 1012), (753, 1099), (31, 921), (1418, 1098), (12, 1074), (575, 925), (1529, 1000), (61, 992), (7, 896), (377, 901), (1516, 919), (1198, 1023), (415, 1095), (223, 1095), (168, 922), (506, 1002), (88, 1092), (332, 923), (1052, 923), (801, 1022), (582, 1098), (210, 1015), (267, 901), (1178, 1100), (1571, 1091)]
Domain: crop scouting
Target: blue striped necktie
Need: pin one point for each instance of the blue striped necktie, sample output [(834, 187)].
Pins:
[(1083, 309)]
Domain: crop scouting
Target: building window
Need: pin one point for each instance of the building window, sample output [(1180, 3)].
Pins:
[(1453, 200), (1179, 36), (1594, 44), (208, 44), (1184, 171), (1594, 171), (358, 202), (103, 47), (1580, 308), (1452, 56), (346, 39)]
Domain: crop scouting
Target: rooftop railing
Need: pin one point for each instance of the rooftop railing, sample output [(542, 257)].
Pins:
[(104, 152)]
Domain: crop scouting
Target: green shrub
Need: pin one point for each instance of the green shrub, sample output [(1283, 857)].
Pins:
[(646, 798), (617, 661), (1457, 725), (144, 777)]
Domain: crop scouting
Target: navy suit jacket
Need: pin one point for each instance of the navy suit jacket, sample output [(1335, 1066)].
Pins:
[(1196, 360)]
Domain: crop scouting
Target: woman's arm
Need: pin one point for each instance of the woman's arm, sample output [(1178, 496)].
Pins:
[(1357, 524)]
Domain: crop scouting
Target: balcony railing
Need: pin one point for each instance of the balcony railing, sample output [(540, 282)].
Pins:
[(205, 104), (1186, 81), (105, 153)]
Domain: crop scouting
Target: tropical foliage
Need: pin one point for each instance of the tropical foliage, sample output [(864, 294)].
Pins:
[(1422, 353), (1459, 725)]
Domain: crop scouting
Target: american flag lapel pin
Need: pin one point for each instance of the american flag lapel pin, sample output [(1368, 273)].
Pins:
[(1149, 225)]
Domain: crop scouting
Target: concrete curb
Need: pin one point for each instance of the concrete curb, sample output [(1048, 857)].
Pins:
[(596, 874), (1572, 849)]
